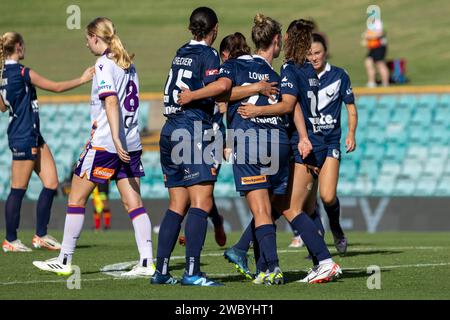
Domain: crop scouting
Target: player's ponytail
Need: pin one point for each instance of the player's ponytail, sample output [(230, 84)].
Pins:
[(8, 43), (298, 42), (264, 30), (235, 44), (105, 30), (120, 54), (201, 22)]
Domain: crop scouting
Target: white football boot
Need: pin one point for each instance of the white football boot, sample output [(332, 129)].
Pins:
[(15, 246), (53, 265), (139, 271)]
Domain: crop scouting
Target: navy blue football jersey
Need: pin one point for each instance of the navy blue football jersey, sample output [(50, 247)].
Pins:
[(20, 96), (246, 70), (334, 89), (301, 81), (194, 66)]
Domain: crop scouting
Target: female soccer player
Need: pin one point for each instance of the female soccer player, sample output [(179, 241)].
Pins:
[(334, 89), (114, 150), (256, 179), (299, 88), (232, 46), (189, 174), (29, 150)]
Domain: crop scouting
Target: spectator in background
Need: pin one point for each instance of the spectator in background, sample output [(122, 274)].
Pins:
[(374, 38)]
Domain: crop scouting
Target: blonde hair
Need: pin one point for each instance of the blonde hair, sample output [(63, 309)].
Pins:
[(8, 43), (264, 30), (105, 30)]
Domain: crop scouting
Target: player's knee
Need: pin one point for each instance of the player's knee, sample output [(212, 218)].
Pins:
[(328, 198), (204, 204), (16, 185), (53, 185), (77, 200)]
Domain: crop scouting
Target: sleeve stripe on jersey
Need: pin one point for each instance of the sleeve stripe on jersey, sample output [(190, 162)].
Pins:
[(103, 95)]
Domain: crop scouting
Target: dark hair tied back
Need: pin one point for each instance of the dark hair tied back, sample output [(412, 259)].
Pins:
[(202, 21)]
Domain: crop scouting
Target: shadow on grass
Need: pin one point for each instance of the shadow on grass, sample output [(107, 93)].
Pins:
[(86, 246), (366, 252)]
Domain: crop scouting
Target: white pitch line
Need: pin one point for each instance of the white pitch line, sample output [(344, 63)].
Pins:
[(419, 265), (110, 268)]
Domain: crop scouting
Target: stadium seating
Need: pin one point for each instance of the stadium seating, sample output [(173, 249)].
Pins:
[(403, 148)]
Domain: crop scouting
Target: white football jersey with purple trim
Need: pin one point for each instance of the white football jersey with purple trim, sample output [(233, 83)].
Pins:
[(110, 79)]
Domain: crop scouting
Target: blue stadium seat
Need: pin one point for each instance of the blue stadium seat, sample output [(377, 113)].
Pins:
[(425, 186), (376, 135), (439, 152), (373, 151), (348, 170), (395, 152), (386, 102), (407, 100), (404, 187), (444, 101), (433, 168), (443, 188), (390, 168), (411, 168), (422, 117), (417, 152), (419, 136), (363, 186), (345, 188), (401, 114), (369, 169), (368, 102), (395, 133), (384, 185), (364, 115), (442, 115), (427, 100), (440, 134)]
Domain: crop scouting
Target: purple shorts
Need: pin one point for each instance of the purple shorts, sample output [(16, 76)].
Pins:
[(101, 166)]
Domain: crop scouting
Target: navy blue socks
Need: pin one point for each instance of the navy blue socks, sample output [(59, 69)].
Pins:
[(12, 212), (306, 228), (195, 233), (334, 213), (167, 237), (43, 210), (266, 236)]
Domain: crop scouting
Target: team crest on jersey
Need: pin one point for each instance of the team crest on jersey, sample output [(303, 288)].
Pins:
[(330, 92), (100, 66)]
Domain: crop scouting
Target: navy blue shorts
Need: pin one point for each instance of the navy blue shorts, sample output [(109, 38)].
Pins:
[(273, 175), (26, 149), (186, 171), (315, 158)]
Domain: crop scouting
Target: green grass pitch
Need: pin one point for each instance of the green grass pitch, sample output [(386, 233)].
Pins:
[(417, 31), (413, 266)]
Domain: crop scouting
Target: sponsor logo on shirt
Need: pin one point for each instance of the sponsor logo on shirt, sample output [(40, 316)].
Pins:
[(253, 180), (211, 72), (285, 83), (222, 70)]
